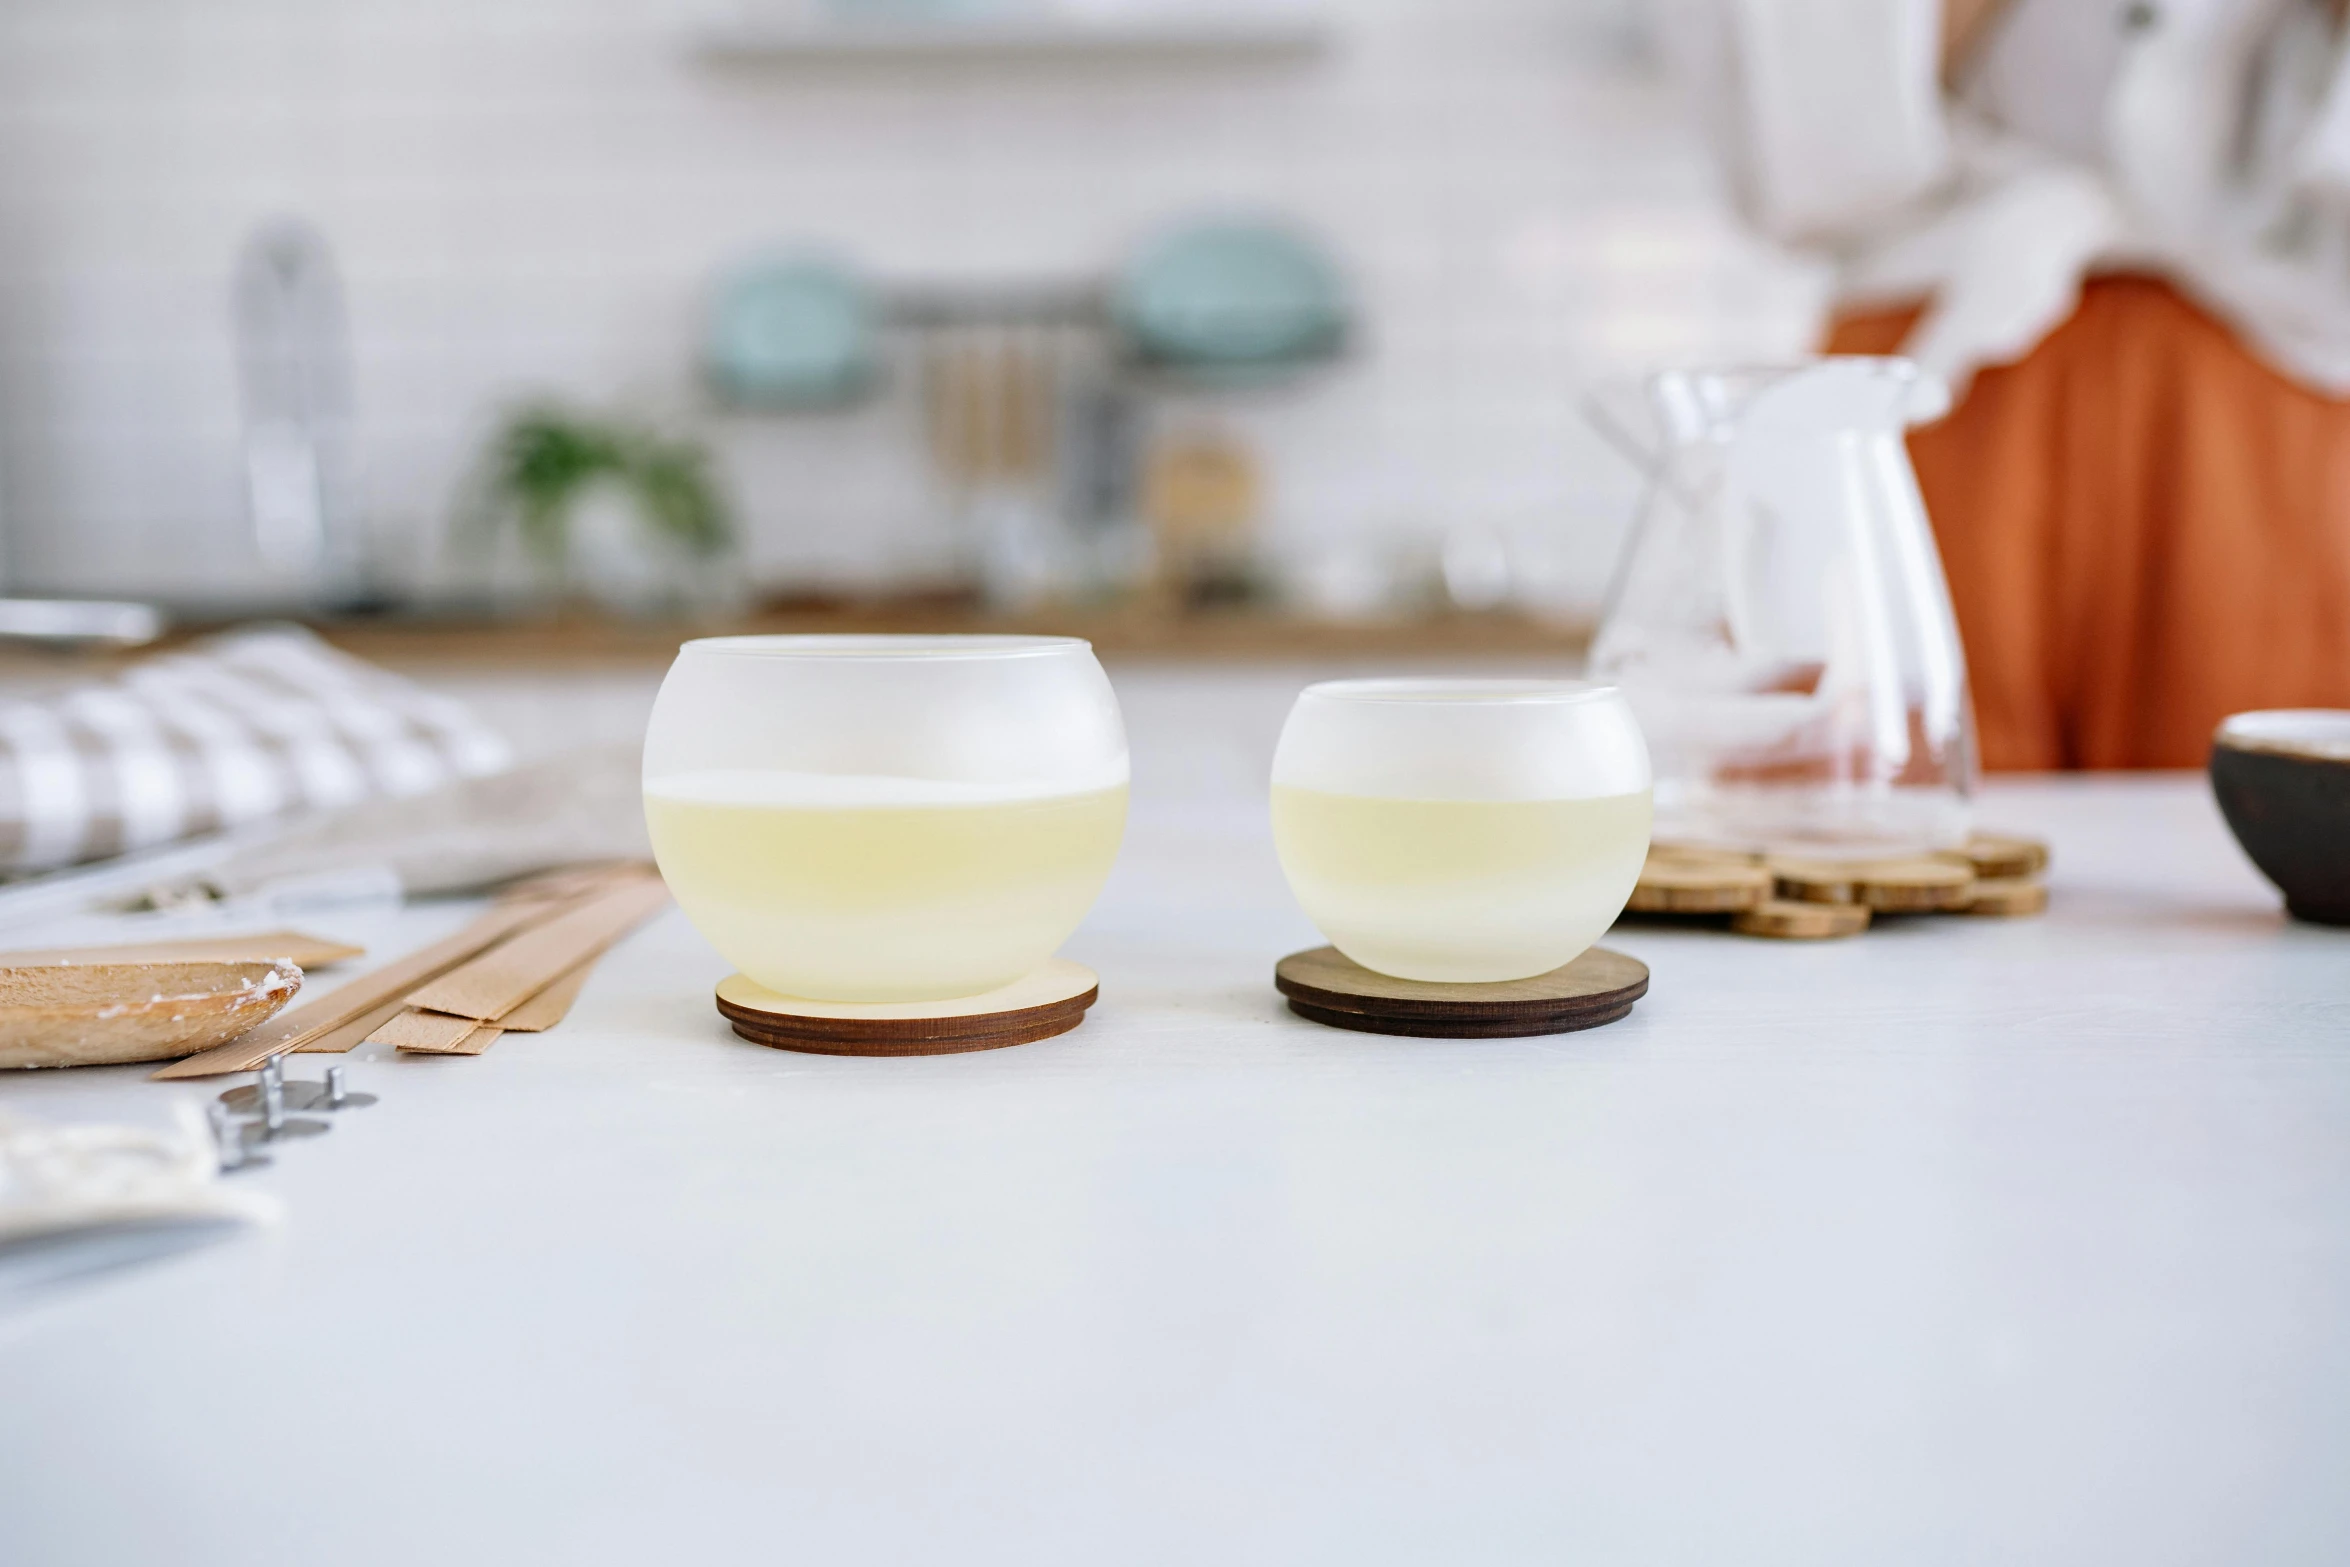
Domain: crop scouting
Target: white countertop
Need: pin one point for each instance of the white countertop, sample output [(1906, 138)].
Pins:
[(1965, 1241)]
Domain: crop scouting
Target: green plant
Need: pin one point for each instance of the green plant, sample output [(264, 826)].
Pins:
[(545, 457)]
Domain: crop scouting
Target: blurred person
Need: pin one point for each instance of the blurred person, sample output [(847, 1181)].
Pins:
[(2120, 230)]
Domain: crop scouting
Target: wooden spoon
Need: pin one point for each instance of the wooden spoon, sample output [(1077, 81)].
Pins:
[(95, 1014)]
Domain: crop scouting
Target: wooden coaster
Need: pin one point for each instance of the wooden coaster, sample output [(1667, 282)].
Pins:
[(1913, 886), (1787, 919), (1329, 987), (1672, 883), (1050, 1001), (1701, 853), (2001, 857), (2008, 898), (1811, 881), (1889, 886)]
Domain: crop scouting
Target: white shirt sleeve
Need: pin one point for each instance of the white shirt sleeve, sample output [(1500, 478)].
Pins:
[(1827, 114), (2324, 163)]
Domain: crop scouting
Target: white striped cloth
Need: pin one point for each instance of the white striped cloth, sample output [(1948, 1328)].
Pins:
[(238, 729)]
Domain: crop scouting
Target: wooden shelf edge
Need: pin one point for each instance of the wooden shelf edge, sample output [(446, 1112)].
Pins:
[(816, 43), (1207, 638)]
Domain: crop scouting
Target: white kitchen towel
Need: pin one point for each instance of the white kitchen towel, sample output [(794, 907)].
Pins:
[(578, 807), (79, 1200), (59, 1178), (239, 728)]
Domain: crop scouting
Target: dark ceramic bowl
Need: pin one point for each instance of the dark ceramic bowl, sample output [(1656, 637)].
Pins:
[(2283, 781)]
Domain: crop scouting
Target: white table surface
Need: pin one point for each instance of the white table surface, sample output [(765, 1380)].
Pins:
[(1966, 1241)]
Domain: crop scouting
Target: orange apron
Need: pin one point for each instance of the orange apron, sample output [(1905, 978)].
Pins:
[(2145, 528)]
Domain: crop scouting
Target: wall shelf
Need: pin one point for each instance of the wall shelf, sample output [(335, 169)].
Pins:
[(1132, 631), (1139, 40)]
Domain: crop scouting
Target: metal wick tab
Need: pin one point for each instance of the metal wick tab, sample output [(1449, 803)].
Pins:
[(338, 1097), (293, 1093), (227, 1147), (274, 1123), (270, 1096), (228, 1143)]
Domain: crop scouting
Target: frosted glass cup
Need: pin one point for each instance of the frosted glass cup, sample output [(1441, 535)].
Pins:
[(876, 819), (1461, 831)]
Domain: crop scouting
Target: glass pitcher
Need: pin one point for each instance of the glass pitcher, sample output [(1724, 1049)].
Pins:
[(1779, 619)]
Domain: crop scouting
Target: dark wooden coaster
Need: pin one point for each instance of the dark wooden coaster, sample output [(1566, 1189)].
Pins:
[(1050, 1001), (1329, 987)]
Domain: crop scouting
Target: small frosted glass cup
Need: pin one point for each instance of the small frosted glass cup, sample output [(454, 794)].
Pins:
[(885, 818), (1461, 831)]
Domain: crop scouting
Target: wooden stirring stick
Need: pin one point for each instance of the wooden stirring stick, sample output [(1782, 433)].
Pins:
[(493, 984), (572, 881), (550, 1006), (294, 1029), (526, 983), (354, 1033), (441, 1033), (475, 1038), (273, 946), (428, 1031), (431, 1033)]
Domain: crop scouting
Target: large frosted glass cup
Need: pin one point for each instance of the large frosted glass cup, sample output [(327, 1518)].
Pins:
[(876, 819), (1461, 831)]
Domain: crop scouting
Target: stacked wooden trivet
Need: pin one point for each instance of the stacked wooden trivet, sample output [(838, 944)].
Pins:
[(1802, 899)]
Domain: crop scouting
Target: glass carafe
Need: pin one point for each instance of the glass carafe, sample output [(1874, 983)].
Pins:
[(1779, 619)]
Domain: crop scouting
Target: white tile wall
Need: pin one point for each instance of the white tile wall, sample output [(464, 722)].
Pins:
[(529, 195)]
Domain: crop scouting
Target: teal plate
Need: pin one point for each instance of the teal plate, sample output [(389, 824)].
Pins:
[(1235, 299), (795, 333)]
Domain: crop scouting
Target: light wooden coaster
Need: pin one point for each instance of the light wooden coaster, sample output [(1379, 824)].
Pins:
[(2008, 898), (1698, 884), (1999, 857), (1790, 920), (1920, 886), (1050, 1001), (1329, 987)]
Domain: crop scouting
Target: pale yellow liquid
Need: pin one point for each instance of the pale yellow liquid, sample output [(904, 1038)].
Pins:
[(1460, 891), (903, 898)]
